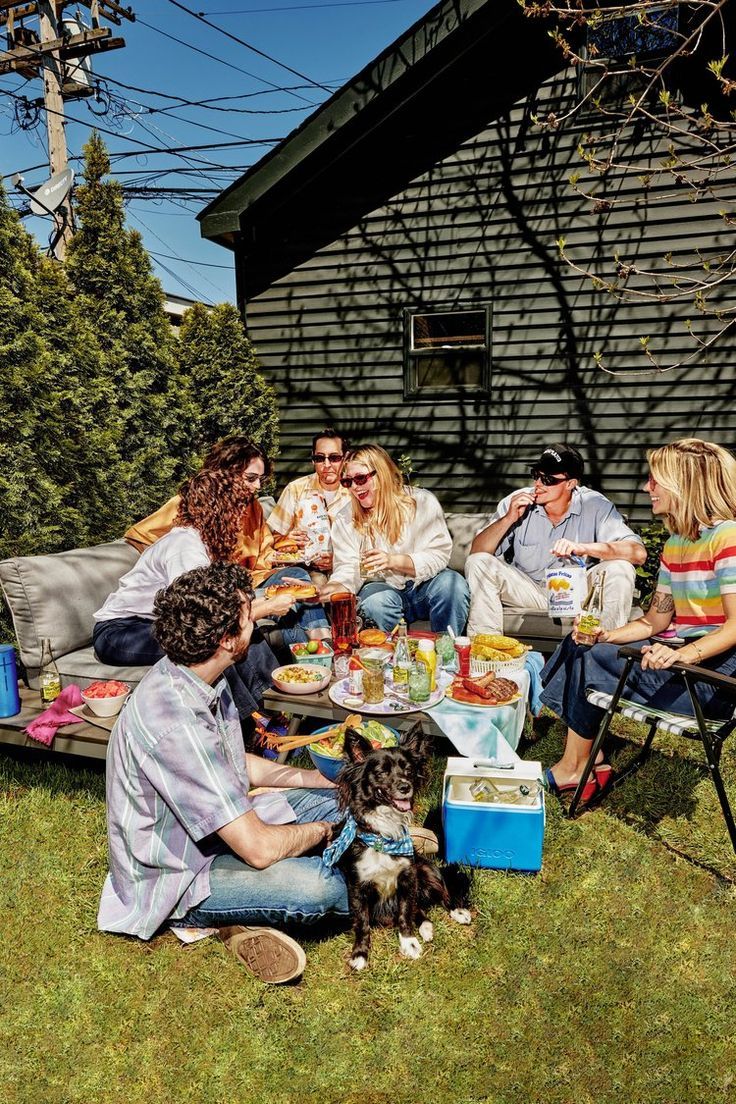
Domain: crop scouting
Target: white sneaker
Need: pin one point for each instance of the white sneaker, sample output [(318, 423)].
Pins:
[(270, 955)]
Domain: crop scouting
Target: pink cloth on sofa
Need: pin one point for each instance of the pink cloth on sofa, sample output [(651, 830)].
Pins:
[(43, 728)]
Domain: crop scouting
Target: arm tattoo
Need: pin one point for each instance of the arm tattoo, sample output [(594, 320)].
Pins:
[(663, 603)]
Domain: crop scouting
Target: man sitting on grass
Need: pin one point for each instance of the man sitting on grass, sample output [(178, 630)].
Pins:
[(187, 844)]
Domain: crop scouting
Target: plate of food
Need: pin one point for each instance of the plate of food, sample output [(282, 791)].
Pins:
[(490, 691), (394, 703), (300, 592), (301, 678)]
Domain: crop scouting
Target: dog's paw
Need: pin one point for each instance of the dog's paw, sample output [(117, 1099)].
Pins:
[(409, 946), (358, 962), (461, 916), (426, 931)]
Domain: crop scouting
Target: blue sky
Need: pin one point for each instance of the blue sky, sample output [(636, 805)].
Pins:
[(326, 42)]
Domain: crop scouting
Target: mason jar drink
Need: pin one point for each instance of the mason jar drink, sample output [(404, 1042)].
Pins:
[(419, 682), (373, 693)]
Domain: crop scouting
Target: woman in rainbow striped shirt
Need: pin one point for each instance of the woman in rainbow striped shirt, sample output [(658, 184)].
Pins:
[(692, 486)]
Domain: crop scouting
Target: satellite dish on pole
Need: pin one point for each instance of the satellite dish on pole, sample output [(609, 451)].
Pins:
[(51, 194)]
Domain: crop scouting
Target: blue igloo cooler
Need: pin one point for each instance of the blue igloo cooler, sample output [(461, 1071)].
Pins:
[(500, 835)]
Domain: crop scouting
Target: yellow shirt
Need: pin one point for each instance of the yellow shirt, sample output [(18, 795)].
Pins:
[(282, 518), (255, 545)]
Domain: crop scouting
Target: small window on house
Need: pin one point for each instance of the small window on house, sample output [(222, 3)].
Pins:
[(446, 352), (619, 38)]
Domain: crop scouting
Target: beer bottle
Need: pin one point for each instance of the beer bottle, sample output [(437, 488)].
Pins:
[(49, 679), (589, 624)]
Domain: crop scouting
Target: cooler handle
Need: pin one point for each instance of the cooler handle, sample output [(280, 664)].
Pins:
[(494, 763)]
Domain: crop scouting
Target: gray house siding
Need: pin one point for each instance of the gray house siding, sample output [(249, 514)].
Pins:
[(481, 227)]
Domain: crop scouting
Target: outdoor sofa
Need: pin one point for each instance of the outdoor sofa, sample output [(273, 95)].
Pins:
[(55, 596)]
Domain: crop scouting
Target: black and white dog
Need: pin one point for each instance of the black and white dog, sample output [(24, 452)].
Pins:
[(387, 883)]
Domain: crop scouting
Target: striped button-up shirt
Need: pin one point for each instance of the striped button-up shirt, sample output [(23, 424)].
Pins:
[(175, 775)]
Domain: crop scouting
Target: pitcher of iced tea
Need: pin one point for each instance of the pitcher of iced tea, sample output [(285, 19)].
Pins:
[(344, 618)]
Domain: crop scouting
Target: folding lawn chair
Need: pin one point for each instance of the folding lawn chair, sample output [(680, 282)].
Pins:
[(711, 733)]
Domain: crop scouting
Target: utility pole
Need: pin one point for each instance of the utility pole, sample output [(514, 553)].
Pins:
[(50, 52), (53, 99)]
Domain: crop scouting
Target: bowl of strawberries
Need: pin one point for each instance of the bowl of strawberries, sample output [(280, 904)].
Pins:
[(105, 698)]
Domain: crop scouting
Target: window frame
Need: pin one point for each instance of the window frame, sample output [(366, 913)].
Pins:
[(412, 356)]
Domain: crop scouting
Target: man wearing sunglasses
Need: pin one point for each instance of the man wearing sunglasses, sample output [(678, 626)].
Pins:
[(328, 450), (534, 528)]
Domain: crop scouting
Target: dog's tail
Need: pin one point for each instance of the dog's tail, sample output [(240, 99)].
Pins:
[(449, 887)]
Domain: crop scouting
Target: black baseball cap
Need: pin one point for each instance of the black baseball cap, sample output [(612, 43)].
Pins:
[(561, 457)]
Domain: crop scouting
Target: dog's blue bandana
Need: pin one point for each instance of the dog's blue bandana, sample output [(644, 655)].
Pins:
[(332, 854)]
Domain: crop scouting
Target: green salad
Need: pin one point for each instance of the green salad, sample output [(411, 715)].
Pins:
[(378, 734)]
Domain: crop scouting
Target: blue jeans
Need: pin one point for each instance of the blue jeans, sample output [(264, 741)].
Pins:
[(442, 600), (129, 642), (574, 668), (299, 622), (292, 891)]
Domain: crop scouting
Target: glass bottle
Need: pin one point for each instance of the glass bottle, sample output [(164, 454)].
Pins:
[(402, 657), (589, 625), (49, 679)]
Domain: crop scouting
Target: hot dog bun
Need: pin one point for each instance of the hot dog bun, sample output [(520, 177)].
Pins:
[(300, 592)]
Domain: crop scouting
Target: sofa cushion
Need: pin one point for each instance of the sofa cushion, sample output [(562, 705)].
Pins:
[(56, 595), (83, 667), (463, 527)]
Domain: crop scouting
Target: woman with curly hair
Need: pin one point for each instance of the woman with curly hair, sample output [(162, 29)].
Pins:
[(207, 529), (392, 548)]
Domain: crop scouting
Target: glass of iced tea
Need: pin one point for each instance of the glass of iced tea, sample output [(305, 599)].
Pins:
[(343, 615)]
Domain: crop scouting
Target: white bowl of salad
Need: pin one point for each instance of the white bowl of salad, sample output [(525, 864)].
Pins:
[(327, 755), (301, 678)]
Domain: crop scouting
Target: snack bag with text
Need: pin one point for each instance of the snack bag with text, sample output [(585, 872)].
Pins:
[(312, 517), (566, 589)]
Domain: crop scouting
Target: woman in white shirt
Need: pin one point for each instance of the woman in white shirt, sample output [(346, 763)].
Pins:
[(399, 537), (206, 530)]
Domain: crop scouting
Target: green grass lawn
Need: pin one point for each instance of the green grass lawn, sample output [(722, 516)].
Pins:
[(609, 977)]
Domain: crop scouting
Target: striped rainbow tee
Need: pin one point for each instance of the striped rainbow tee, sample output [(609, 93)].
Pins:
[(696, 574)]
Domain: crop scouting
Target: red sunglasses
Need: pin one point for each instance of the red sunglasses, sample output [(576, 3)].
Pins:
[(358, 480)]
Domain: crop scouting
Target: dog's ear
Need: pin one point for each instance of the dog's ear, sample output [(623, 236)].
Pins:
[(356, 745), (417, 743)]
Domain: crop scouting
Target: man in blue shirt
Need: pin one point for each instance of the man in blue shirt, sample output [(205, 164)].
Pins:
[(188, 844), (534, 529)]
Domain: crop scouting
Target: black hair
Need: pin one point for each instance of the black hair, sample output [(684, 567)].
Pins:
[(330, 431), (195, 611)]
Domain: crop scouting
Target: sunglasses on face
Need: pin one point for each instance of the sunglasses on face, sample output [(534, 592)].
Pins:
[(324, 457), (358, 480), (547, 480)]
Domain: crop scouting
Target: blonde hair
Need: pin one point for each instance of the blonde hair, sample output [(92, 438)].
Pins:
[(393, 506), (701, 477)]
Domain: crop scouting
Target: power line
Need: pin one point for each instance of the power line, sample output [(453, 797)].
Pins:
[(304, 7), (248, 46), (167, 269), (215, 103), (221, 61), (204, 264)]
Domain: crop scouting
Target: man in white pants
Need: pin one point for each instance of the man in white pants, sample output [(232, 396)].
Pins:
[(534, 528)]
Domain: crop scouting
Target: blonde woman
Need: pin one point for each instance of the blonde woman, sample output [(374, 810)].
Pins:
[(392, 547), (692, 488)]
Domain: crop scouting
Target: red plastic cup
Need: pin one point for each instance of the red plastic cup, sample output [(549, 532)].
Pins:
[(462, 651)]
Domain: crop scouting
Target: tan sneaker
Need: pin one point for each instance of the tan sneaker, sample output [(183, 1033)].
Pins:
[(269, 954), (424, 840)]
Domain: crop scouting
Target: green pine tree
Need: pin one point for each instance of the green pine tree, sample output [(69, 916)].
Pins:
[(49, 370), (228, 393), (117, 291)]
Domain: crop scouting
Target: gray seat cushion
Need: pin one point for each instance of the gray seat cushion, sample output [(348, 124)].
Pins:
[(56, 595), (463, 527)]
